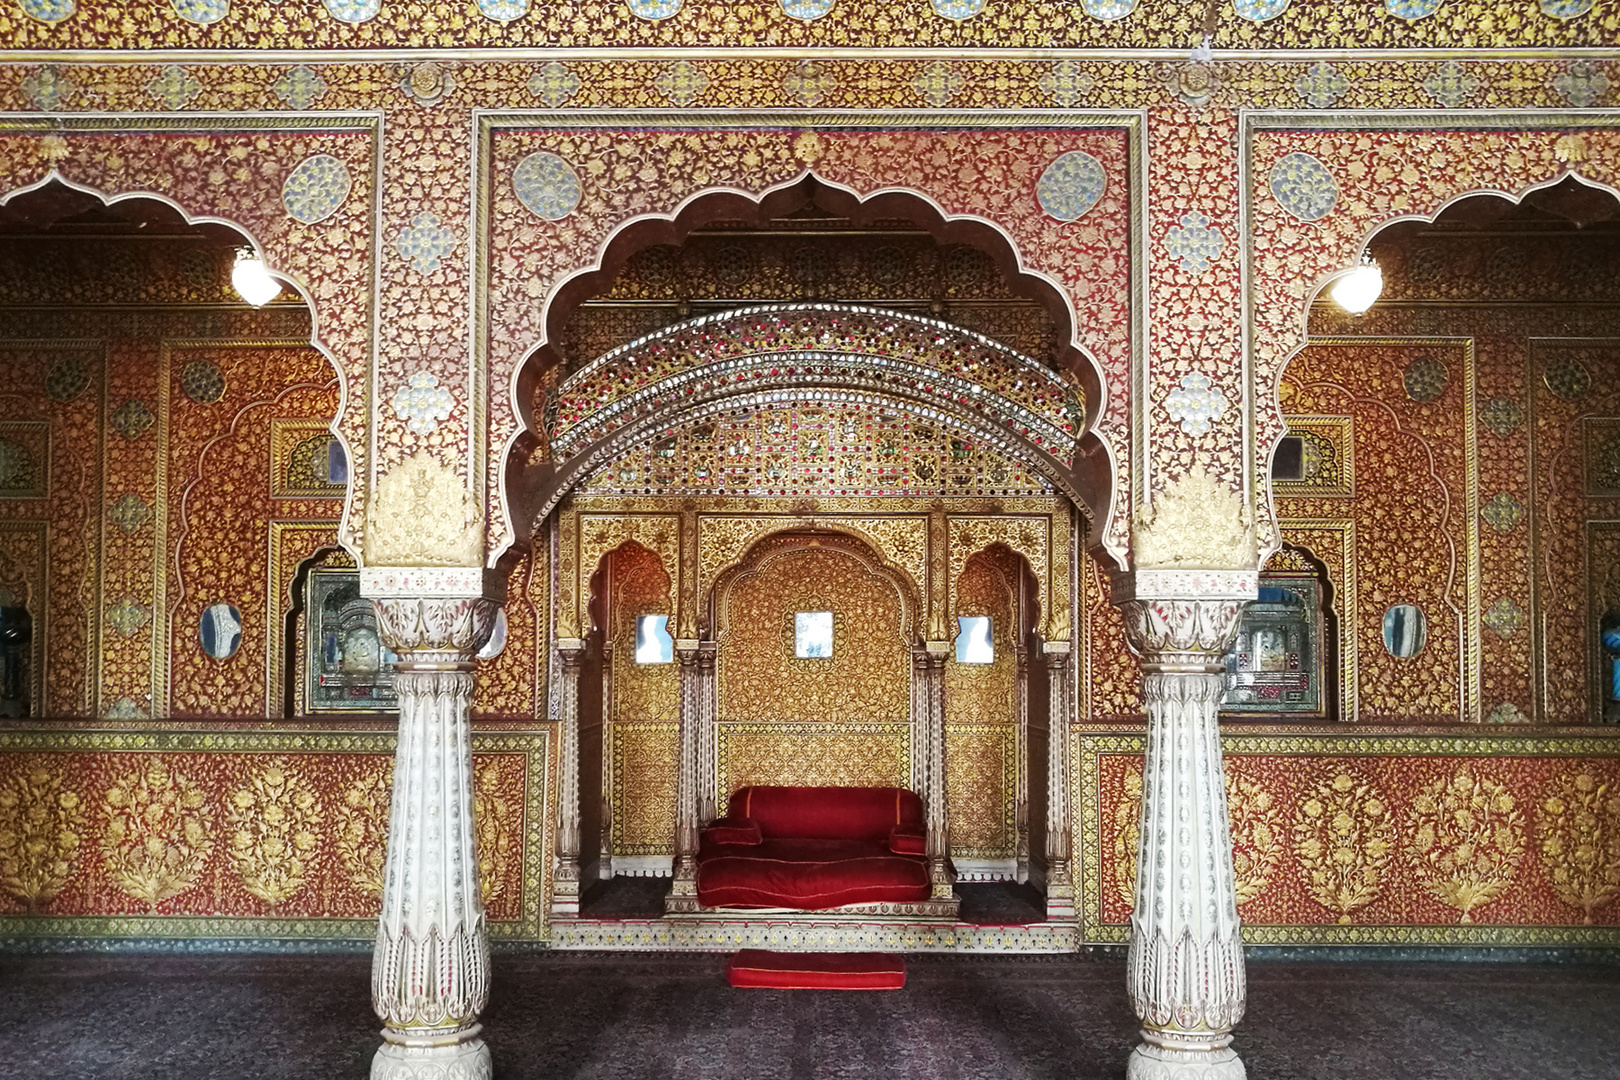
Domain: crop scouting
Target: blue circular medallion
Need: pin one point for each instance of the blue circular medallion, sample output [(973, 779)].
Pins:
[(1071, 185)]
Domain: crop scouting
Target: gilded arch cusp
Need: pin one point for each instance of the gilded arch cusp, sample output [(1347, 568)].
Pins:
[(783, 544), (735, 351), (602, 533), (901, 541)]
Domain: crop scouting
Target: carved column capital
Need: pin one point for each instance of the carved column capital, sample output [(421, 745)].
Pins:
[(433, 614), (1183, 620)]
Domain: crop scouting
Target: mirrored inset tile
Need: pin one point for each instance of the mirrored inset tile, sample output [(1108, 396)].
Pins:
[(202, 12), (1505, 617), (547, 185), (49, 11), (202, 382), (127, 616), (1503, 512), (1501, 416), (129, 512), (1568, 378), (1425, 379), (316, 188), (132, 418)]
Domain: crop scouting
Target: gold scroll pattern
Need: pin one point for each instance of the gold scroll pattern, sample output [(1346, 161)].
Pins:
[(901, 540), (834, 754), (1579, 830), (645, 759), (275, 827), (1125, 822), (41, 830), (981, 775), (1029, 537), (158, 832), (1464, 838), (1343, 838)]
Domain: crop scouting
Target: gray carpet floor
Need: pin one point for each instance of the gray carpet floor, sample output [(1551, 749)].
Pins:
[(672, 1017)]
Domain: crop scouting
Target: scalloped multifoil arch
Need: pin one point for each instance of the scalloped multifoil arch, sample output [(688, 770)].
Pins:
[(286, 277), (1279, 331), (1092, 488), (728, 377)]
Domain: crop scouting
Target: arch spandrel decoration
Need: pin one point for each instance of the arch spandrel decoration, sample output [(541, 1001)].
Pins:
[(902, 541), (663, 175), (142, 157), (602, 533), (1030, 537), (1412, 167)]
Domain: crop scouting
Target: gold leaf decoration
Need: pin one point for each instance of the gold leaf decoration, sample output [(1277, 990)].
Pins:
[(1342, 837), (41, 827), (1579, 829), (159, 832), (362, 828), (274, 820), (1127, 830), (1465, 840), (496, 843), (1257, 835)]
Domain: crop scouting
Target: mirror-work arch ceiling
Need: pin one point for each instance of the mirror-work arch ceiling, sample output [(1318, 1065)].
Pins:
[(1165, 24)]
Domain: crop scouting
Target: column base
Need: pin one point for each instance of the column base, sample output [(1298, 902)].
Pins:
[(421, 1059), (1164, 1055)]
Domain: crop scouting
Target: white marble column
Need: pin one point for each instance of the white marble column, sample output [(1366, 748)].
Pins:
[(565, 885), (1059, 877), (1185, 968), (430, 968)]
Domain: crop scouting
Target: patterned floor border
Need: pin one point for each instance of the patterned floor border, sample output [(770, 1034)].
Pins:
[(709, 934)]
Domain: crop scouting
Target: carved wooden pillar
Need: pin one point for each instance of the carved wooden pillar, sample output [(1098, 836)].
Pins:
[(710, 801), (565, 884), (932, 659), (1060, 689), (430, 967), (1021, 705), (1185, 968), (683, 892)]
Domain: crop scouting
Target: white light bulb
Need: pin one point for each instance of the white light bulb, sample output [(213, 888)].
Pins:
[(1358, 288), (252, 281)]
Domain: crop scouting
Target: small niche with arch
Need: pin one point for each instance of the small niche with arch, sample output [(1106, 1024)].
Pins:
[(1276, 668)]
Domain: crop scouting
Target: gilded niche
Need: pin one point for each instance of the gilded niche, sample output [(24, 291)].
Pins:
[(645, 707), (423, 515), (868, 675)]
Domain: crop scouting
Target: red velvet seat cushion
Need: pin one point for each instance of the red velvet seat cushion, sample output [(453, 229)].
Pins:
[(906, 840), (816, 971), (811, 875), (730, 830)]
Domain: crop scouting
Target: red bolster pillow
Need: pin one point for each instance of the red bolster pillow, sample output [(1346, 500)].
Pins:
[(734, 830), (908, 840)]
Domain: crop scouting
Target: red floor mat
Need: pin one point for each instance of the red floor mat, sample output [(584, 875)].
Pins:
[(758, 968)]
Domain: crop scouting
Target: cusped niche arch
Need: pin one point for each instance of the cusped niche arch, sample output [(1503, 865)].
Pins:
[(1419, 168), (821, 352), (536, 481)]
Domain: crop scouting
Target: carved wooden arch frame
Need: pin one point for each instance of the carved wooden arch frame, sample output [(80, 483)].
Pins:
[(1110, 443), (780, 544), (1546, 149)]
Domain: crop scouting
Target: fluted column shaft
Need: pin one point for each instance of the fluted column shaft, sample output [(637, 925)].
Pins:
[(683, 891), (430, 967), (929, 669), (565, 875), (1185, 968)]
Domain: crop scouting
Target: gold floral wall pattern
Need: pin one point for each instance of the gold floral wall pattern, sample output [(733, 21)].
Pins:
[(42, 831), (867, 677), (157, 832), (645, 706)]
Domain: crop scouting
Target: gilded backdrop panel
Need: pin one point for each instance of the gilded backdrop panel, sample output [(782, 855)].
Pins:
[(645, 768), (833, 753), (644, 709), (1400, 838), (981, 777)]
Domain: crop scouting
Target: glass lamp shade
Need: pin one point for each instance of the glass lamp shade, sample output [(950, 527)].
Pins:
[(1357, 289), (252, 281)]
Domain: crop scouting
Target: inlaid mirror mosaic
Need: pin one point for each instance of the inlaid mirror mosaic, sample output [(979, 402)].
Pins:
[(812, 634), (653, 643), (973, 640), (347, 668)]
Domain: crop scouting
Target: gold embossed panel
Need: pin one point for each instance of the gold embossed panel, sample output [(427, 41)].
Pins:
[(868, 676), (644, 774), (835, 754), (981, 771)]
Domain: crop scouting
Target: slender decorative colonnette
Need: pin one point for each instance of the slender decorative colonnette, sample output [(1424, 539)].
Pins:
[(1185, 970), (430, 969)]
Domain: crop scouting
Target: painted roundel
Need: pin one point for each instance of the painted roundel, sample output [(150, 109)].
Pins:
[(1259, 10), (1071, 185), (49, 11), (353, 11), (316, 188), (653, 10), (807, 10), (547, 185), (202, 11), (958, 9), (1303, 186)]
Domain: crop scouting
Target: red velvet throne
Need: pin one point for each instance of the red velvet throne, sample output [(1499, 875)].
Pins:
[(814, 848)]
